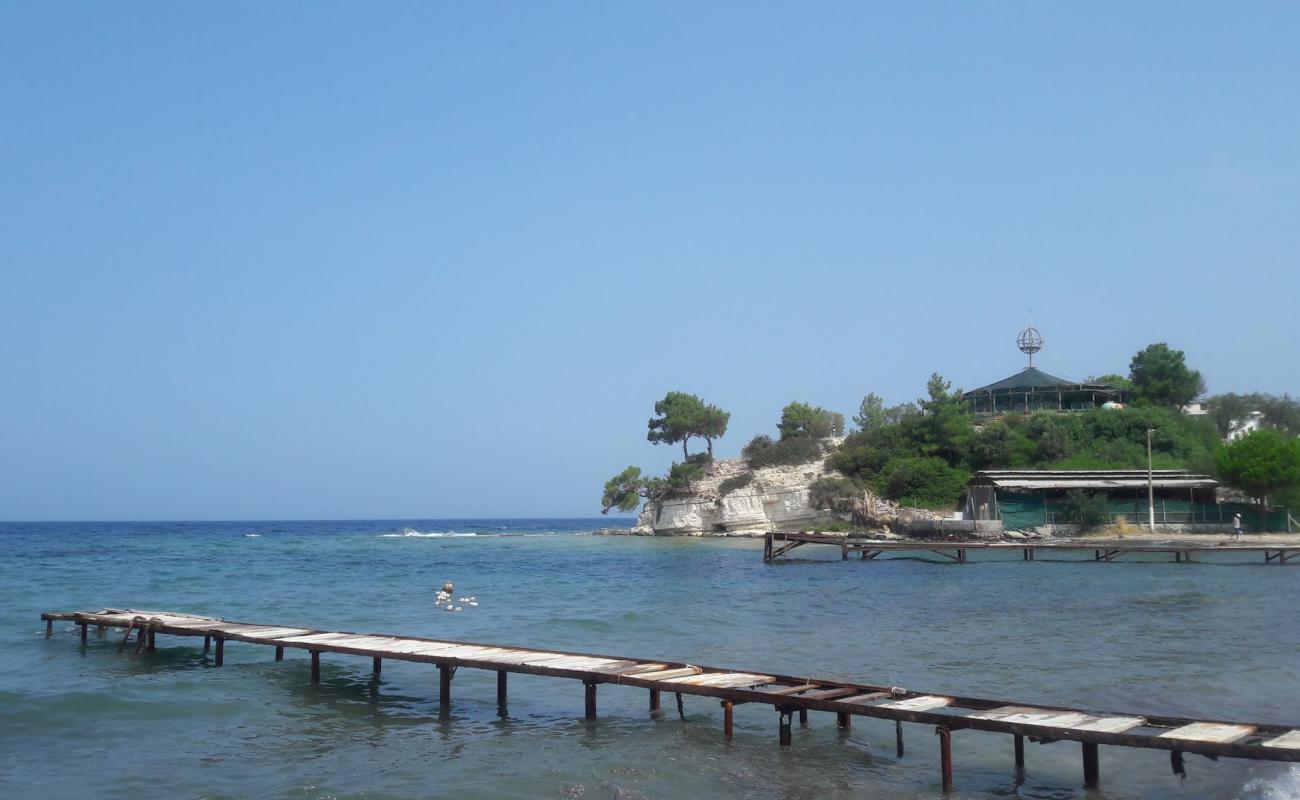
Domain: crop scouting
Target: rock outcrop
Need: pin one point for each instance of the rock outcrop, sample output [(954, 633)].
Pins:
[(775, 499)]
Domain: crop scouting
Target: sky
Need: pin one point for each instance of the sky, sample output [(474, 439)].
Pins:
[(420, 260)]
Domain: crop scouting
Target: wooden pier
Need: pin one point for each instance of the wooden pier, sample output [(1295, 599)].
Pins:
[(787, 695), (777, 544)]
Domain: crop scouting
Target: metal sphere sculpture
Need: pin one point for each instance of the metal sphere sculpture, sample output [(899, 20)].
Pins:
[(1030, 341)]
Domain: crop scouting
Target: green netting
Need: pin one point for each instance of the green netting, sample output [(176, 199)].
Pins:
[(1021, 511)]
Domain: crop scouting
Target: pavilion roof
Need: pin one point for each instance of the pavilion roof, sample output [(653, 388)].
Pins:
[(1034, 378)]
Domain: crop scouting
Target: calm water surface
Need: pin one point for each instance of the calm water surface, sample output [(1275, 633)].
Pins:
[(1217, 640)]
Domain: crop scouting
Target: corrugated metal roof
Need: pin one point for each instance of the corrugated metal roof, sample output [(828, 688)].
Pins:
[(1092, 479)]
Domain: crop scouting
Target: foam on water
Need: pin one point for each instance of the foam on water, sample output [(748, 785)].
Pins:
[(1281, 787), (411, 533)]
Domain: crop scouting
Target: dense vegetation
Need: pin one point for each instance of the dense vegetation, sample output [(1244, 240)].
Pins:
[(922, 454)]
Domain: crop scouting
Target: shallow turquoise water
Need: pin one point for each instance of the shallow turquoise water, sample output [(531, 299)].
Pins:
[(1214, 640)]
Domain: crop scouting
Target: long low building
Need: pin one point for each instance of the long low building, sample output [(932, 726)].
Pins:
[(1030, 498)]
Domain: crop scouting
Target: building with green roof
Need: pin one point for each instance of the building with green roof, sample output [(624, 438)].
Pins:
[(1032, 390)]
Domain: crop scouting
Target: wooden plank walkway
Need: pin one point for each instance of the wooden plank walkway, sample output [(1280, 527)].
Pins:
[(778, 543), (786, 694)]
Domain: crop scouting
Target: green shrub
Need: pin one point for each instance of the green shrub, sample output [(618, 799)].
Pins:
[(763, 452), (835, 494), (735, 482), (681, 477), (704, 460), (922, 482), (1085, 508), (835, 526)]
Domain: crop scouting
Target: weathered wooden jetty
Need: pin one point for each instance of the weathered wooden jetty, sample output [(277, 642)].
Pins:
[(788, 695), (778, 543)]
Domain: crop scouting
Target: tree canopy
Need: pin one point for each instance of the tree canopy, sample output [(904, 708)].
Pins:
[(803, 420), (1281, 413), (1261, 462), (871, 413), (679, 416), (623, 491), (1161, 377)]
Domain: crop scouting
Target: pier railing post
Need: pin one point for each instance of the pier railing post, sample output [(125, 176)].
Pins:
[(945, 755), (1091, 766), (444, 688)]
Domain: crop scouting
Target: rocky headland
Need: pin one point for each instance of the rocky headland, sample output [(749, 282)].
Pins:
[(775, 498)]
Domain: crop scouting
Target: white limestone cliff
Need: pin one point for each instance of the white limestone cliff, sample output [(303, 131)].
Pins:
[(776, 499)]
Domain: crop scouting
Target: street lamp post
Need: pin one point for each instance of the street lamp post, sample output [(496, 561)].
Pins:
[(1151, 487)]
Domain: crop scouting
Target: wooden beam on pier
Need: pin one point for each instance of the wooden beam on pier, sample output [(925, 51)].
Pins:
[(870, 549), (784, 693)]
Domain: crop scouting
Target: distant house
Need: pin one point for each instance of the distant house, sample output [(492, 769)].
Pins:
[(1241, 427)]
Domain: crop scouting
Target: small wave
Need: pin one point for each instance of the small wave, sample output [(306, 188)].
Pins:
[(1285, 786), (411, 533), (253, 536)]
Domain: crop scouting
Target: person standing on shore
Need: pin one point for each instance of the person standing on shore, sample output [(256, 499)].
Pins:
[(1236, 526)]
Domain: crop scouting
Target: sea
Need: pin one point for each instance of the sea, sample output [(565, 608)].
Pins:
[(1213, 640)]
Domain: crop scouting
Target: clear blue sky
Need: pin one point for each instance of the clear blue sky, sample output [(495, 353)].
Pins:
[(305, 260)]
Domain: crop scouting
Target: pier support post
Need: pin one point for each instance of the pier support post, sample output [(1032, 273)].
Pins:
[(153, 642), (844, 552), (1176, 763), (784, 726), (898, 737), (207, 644), (84, 626), (101, 631), (843, 720), (444, 688), (219, 657), (279, 652), (315, 666), (378, 666), (49, 628), (681, 710), (654, 700), (1020, 752), (728, 718), (591, 698), (945, 755), (502, 676), (803, 717), (1091, 767)]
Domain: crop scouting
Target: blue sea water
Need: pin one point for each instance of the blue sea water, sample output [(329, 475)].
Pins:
[(1215, 640)]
